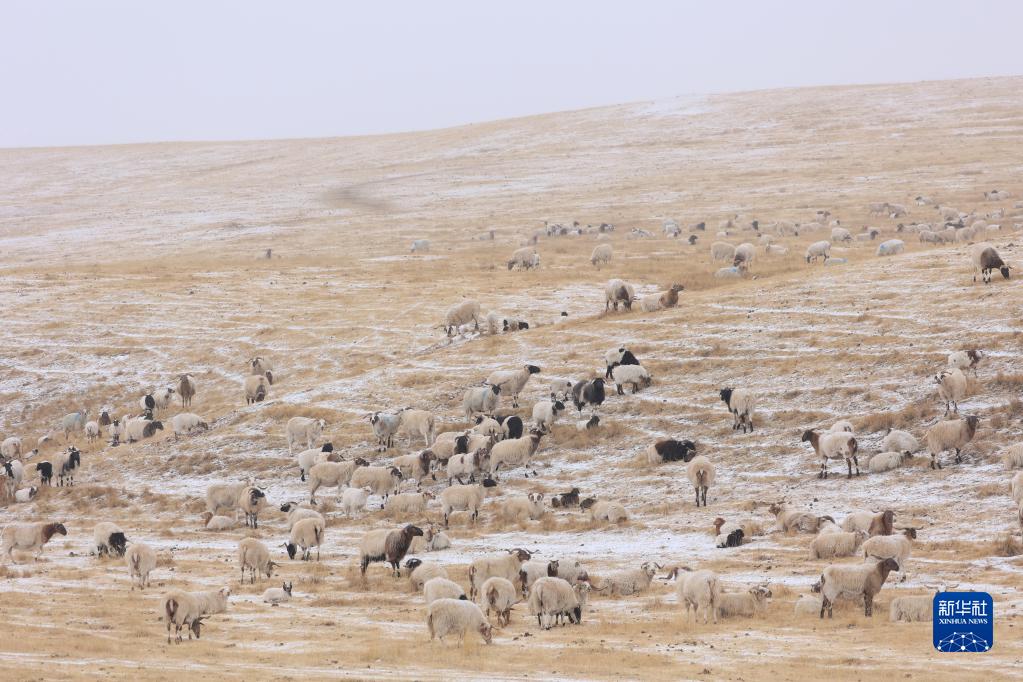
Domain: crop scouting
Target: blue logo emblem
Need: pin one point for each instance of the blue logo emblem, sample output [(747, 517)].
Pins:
[(963, 621)]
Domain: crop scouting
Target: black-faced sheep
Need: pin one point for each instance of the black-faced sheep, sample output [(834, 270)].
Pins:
[(854, 582), (952, 434), (742, 404), (386, 545)]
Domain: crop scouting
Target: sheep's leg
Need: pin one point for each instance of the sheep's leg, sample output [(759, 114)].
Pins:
[(959, 456), (848, 463), (868, 605), (697, 497), (856, 461)]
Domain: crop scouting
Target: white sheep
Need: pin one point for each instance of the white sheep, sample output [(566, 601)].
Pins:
[(301, 429), (545, 413), (186, 422), (843, 425), (523, 258), (616, 291), (507, 566), (748, 604), (899, 441), (212, 522), (431, 541), (456, 616), (499, 595), (821, 249), (26, 494), (601, 255), (861, 582), (420, 245), (11, 448), (831, 545), (384, 427), (744, 255), (461, 314), (416, 466), (488, 426), (256, 389), (275, 596), (742, 404), (730, 272), (553, 598), (1012, 457), (898, 547), (840, 234), (383, 481), (700, 473), (965, 360), (417, 423), (354, 500), (886, 461), (1016, 488), (332, 475), (951, 388), (890, 247), (442, 588), (305, 534), (512, 452), (140, 428), (254, 557), (467, 464), (915, 609), (604, 510), (181, 609), (870, 523), (722, 251), (408, 504), (952, 434), (808, 605), (629, 581), (462, 498), (92, 431), (481, 400), (421, 573), (28, 537), (140, 559), (697, 591), (512, 381), (523, 506), (307, 459), (636, 376), (838, 445), (296, 513)]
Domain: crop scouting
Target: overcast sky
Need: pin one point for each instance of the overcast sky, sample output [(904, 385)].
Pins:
[(101, 72)]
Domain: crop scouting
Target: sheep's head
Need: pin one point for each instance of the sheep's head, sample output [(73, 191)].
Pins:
[(486, 632), (360, 462), (395, 473), (413, 564), (522, 554), (726, 395), (411, 531), (533, 369), (718, 522), (196, 626), (810, 436), (287, 588), (291, 549)]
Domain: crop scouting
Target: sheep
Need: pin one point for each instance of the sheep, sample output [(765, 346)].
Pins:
[(952, 434), (843, 425), (546, 412), (841, 445), (552, 598), (831, 545), (898, 547), (505, 566), (182, 609), (296, 513), (731, 272), (481, 400), (533, 570), (748, 604), (408, 503), (256, 389), (899, 441), (601, 255), (420, 573), (566, 500), (385, 425), (881, 523), (250, 502), (670, 450), (742, 404), (211, 522), (262, 367), (587, 424), (186, 422), (383, 481), (749, 529), (511, 381), (588, 393), (965, 360), (65, 464), (140, 428), (386, 545), (514, 451), (701, 474), (274, 596), (307, 459), (916, 609), (840, 234), (15, 474), (854, 582), (896, 210), (821, 249), (662, 300), (140, 559), (698, 591), (92, 431), (615, 357), (886, 461), (415, 467), (529, 506), (73, 422), (461, 314), (788, 519), (985, 259), (463, 498), (305, 534), (431, 541), (616, 291), (417, 423), (157, 400), (1012, 457), (635, 375), (722, 251), (1016, 488), (511, 324), (775, 250), (332, 475), (827, 525), (303, 428), (186, 389), (468, 464), (612, 512), (254, 556), (442, 588), (733, 538), (109, 539), (28, 537), (744, 254), (951, 388), (420, 245), (499, 595), (808, 605), (456, 616), (11, 448), (996, 195), (524, 258), (629, 581), (929, 237), (488, 426)]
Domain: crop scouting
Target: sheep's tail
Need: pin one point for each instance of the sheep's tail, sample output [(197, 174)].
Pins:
[(701, 477), (170, 607), (491, 597), (853, 445)]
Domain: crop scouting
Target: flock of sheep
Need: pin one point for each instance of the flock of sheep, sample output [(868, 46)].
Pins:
[(459, 472)]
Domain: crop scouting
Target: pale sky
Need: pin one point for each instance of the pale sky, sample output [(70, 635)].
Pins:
[(99, 72)]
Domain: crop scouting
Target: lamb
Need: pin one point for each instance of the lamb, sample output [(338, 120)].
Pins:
[(186, 422), (808, 605), (831, 545), (512, 452), (417, 423), (733, 538), (408, 504), (274, 596), (546, 412), (601, 255), (468, 464), (748, 604), (442, 588), (749, 529), (916, 609), (386, 545), (671, 450), (182, 609), (616, 291), (524, 258), (529, 506), (841, 445), (420, 245), (899, 441), (11, 448), (415, 467), (897, 547), (505, 566), (886, 461), (742, 404), (256, 389), (385, 425), (383, 481), (512, 381), (629, 581), (254, 556), (92, 431), (965, 360), (730, 272), (456, 616), (65, 464), (775, 250), (461, 314), (186, 389), (331, 475), (588, 393), (951, 388), (743, 259), (612, 512), (296, 513), (211, 522), (488, 426), (28, 537), (722, 251), (305, 534), (73, 422), (872, 524), (482, 400), (26, 494), (840, 234), (463, 498), (140, 559), (499, 595), (698, 591), (354, 500), (1012, 457), (854, 582), (307, 459), (109, 539), (614, 358), (701, 474), (432, 541), (985, 258), (890, 247), (821, 249), (552, 598), (303, 428), (635, 375), (952, 434), (788, 519)]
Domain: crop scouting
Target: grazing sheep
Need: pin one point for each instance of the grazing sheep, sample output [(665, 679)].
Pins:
[(307, 459), (601, 255), (788, 519), (752, 602), (546, 412), (722, 251), (743, 259), (383, 481), (533, 570), (505, 566), (612, 512), (464, 498), (614, 358), (417, 423), (332, 475), (951, 434), (420, 573), (386, 545), (512, 381), (552, 598), (831, 545), (513, 452), (899, 441), (965, 360), (821, 249), (525, 258), (916, 609), (305, 534), (385, 425), (840, 234), (274, 596), (468, 464), (701, 474), (65, 464), (140, 560), (28, 537), (886, 461), (698, 591), (890, 247), (529, 506), (182, 609), (635, 375), (588, 393), (840, 445), (442, 588), (354, 500), (898, 547), (461, 314), (254, 556), (420, 245), (456, 616), (73, 422), (303, 428), (186, 422), (629, 581), (1012, 457), (256, 389), (775, 250), (881, 523), (951, 388), (742, 404), (616, 291), (109, 539), (261, 366), (211, 522), (481, 400), (985, 259), (408, 504), (499, 595), (671, 450), (854, 582), (415, 467)]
